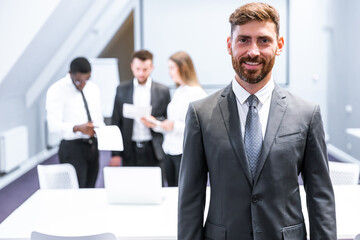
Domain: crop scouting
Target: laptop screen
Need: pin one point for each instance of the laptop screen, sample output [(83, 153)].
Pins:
[(133, 185)]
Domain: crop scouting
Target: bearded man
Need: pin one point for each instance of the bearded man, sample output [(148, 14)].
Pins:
[(253, 139)]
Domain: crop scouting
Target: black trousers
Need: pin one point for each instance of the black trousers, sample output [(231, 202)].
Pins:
[(143, 154), (83, 154), (172, 168)]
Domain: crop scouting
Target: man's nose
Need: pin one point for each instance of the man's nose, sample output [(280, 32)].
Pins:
[(253, 51)]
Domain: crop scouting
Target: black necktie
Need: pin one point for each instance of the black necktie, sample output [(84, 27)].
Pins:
[(253, 136), (86, 107)]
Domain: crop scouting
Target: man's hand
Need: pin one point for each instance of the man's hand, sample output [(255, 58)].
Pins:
[(85, 128), (115, 161)]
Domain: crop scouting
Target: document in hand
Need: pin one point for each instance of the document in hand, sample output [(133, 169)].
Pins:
[(109, 138), (136, 112)]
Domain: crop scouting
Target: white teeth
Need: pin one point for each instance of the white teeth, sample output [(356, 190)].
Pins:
[(252, 63)]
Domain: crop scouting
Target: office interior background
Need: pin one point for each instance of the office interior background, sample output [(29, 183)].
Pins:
[(39, 38)]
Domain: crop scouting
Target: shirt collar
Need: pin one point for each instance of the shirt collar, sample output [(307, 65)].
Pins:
[(69, 80), (147, 84), (263, 94)]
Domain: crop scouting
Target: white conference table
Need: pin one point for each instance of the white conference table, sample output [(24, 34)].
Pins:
[(86, 212)]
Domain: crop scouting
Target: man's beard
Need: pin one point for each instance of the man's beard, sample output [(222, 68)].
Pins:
[(251, 76)]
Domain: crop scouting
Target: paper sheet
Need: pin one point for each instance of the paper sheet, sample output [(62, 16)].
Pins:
[(136, 112), (109, 138)]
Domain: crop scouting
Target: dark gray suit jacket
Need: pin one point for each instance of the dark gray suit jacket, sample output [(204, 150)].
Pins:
[(160, 98), (269, 208)]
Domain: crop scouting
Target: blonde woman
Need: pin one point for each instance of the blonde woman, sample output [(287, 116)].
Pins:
[(182, 72)]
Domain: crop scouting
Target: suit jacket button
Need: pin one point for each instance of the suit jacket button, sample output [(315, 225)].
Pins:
[(254, 199)]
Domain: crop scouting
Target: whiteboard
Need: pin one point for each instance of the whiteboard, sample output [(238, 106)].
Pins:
[(105, 74)]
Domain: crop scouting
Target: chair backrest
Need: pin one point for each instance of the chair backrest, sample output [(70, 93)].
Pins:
[(57, 176), (42, 236), (344, 173), (357, 237)]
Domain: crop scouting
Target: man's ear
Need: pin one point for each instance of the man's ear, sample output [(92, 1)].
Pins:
[(280, 46), (228, 44)]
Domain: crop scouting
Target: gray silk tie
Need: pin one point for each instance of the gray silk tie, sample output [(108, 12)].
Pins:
[(253, 136)]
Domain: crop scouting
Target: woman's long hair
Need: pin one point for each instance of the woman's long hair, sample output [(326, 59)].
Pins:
[(186, 68)]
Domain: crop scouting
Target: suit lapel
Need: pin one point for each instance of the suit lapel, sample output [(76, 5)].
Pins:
[(276, 113), (129, 93), (128, 98), (153, 98), (230, 114)]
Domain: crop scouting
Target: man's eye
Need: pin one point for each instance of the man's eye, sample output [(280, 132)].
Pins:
[(264, 40), (242, 40)]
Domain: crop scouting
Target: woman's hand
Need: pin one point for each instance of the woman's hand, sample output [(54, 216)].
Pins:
[(167, 125), (150, 121)]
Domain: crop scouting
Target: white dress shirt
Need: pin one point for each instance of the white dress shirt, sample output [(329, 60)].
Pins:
[(264, 95), (141, 97), (65, 108), (176, 112)]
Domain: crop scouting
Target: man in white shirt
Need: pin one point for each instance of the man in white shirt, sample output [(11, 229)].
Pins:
[(142, 146), (73, 110)]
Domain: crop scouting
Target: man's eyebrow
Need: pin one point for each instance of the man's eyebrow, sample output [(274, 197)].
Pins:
[(265, 36), (243, 36), (247, 36)]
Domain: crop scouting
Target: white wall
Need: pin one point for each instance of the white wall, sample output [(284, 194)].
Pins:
[(18, 26), (201, 29), (344, 71), (309, 51)]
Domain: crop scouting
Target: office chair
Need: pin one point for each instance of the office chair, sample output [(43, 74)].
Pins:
[(344, 173), (357, 237), (57, 176), (42, 236)]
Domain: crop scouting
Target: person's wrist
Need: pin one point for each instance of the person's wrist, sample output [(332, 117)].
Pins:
[(75, 128), (157, 124)]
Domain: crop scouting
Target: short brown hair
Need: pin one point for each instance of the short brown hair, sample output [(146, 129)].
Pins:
[(142, 55), (186, 68), (255, 11)]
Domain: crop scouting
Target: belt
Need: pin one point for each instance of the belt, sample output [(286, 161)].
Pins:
[(141, 144), (83, 140)]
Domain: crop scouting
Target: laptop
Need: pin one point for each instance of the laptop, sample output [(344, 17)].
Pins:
[(133, 185)]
